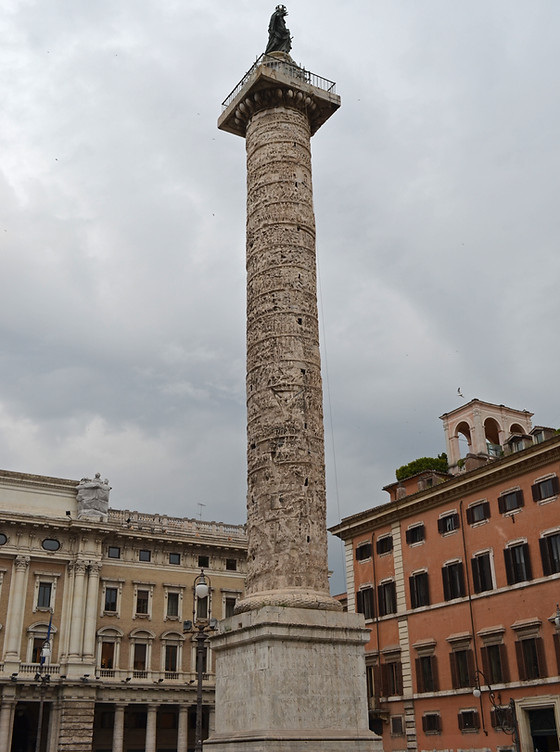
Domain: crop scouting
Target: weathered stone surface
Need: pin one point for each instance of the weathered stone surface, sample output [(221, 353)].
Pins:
[(93, 498), (291, 662), (290, 668), (286, 486), (76, 726)]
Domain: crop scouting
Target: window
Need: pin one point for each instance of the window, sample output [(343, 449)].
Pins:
[(510, 501), (468, 720), (44, 595), (495, 663), (550, 553), (231, 565), (229, 606), (453, 580), (364, 602), (415, 534), (363, 551), (37, 648), (385, 544), (171, 652), (426, 673), (140, 654), (107, 655), (431, 723), (203, 561), (371, 683), (482, 572), (51, 544), (387, 598), (397, 725), (36, 638), (530, 658), (172, 605), (3, 539), (111, 594), (462, 668), (114, 552), (419, 590), (478, 512), (142, 601), (518, 563), (174, 558), (545, 489), (391, 678), (144, 555), (502, 719), (448, 523)]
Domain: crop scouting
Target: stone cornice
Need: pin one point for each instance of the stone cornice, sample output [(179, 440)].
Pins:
[(450, 491)]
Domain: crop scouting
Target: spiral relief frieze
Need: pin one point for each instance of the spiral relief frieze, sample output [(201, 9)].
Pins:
[(285, 446)]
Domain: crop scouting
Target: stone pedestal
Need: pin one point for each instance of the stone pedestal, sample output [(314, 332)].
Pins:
[(291, 679)]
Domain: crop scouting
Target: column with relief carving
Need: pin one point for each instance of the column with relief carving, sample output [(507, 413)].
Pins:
[(91, 611), (14, 622)]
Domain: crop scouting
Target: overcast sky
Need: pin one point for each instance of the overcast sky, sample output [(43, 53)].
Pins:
[(122, 221)]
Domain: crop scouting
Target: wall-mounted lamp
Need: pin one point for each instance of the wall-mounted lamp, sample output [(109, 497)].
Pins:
[(14, 677), (557, 617)]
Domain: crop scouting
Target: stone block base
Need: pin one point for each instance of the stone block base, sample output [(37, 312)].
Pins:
[(291, 680), (272, 743)]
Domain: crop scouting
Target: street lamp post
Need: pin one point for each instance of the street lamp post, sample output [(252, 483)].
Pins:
[(203, 625), (45, 658), (506, 716)]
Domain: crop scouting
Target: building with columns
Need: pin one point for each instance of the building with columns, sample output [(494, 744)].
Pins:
[(458, 577), (110, 590)]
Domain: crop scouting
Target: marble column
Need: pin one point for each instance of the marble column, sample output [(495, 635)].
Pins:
[(151, 728), (312, 694), (6, 721), (16, 604), (118, 728), (183, 729), (77, 619), (91, 611)]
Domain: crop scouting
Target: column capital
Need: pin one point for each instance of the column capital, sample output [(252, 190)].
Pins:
[(22, 562)]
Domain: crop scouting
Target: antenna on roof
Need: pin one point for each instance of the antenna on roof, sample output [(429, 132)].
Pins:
[(200, 504)]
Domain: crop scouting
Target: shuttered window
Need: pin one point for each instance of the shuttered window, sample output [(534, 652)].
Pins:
[(453, 581), (510, 501), (518, 563), (545, 489), (550, 553), (530, 658)]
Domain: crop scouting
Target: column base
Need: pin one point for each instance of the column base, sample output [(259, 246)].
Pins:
[(270, 741), (291, 680)]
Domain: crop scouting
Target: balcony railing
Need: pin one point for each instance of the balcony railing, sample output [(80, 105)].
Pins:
[(291, 69), (35, 668), (142, 520)]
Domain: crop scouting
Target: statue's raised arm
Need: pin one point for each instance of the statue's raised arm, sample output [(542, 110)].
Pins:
[(279, 39)]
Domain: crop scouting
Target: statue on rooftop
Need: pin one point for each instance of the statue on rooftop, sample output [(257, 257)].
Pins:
[(93, 498), (279, 39)]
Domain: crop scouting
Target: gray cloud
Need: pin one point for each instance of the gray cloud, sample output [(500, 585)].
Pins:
[(122, 236)]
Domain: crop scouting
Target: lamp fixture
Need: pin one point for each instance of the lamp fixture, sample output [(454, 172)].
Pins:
[(201, 585), (557, 617)]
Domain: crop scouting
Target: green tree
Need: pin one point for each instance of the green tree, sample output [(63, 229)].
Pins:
[(439, 464)]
